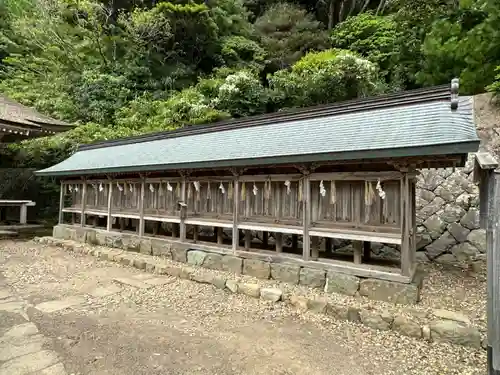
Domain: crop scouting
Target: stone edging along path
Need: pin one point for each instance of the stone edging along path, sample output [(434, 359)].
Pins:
[(446, 326)]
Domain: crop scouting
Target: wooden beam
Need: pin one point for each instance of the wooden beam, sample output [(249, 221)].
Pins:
[(141, 208), (306, 218), (195, 233), (110, 201), (236, 208), (61, 203), (84, 203)]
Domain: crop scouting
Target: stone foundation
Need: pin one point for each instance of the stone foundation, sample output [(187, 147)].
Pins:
[(198, 255)]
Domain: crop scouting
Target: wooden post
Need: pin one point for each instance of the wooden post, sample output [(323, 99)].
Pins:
[(265, 239), (84, 202), (109, 225), (141, 207), (248, 239), (328, 245), (306, 218), (236, 207), (315, 248), (61, 204), (220, 239), (183, 210), (367, 251), (279, 242), (357, 248), (295, 242), (195, 233), (406, 250), (23, 214), (489, 211)]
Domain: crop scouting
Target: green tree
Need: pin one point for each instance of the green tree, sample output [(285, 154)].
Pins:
[(288, 32), (325, 77)]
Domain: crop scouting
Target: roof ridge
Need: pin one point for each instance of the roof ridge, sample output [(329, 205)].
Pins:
[(435, 93)]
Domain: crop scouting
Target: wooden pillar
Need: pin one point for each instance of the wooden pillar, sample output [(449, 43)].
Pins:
[(265, 239), (183, 210), (61, 203), (236, 207), (406, 256), (175, 230), (489, 211), (220, 239), (306, 218), (367, 250), (328, 245), (84, 202), (141, 207), (356, 247), (279, 242), (122, 223), (73, 218), (314, 248), (295, 242), (248, 239), (195, 233), (109, 225), (23, 214)]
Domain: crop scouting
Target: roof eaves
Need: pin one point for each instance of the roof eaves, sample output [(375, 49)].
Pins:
[(438, 93), (457, 148)]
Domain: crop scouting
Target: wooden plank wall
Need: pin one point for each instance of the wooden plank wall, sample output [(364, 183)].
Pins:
[(210, 199), (126, 197), (355, 203), (161, 198)]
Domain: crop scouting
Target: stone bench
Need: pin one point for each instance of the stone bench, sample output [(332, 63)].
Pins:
[(23, 206)]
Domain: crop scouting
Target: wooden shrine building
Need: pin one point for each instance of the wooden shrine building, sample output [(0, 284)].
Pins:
[(344, 171), (18, 122)]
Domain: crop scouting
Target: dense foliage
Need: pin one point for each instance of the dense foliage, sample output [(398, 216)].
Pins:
[(117, 68)]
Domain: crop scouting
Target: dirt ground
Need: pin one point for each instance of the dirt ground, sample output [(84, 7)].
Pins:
[(182, 327)]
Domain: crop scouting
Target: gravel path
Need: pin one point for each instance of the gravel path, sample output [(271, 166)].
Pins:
[(187, 328)]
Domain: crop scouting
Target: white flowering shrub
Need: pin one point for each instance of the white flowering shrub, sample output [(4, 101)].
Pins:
[(241, 94), (325, 77)]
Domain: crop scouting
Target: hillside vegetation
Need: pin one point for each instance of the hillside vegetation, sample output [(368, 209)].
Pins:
[(124, 67)]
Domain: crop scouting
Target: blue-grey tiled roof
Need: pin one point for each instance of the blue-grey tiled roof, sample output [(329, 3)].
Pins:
[(422, 128)]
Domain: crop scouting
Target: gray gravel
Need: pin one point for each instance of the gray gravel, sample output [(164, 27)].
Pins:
[(188, 328)]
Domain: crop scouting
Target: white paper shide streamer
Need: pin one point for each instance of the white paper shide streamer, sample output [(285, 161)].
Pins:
[(151, 188), (101, 188), (130, 188), (254, 189), (288, 184), (322, 189), (76, 188), (120, 188), (196, 185), (70, 188), (222, 189), (169, 187), (381, 192)]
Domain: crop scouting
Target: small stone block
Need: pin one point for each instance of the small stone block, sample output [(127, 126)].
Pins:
[(158, 281), (202, 277), (102, 291), (196, 257), (256, 268), (53, 306), (186, 273), (271, 294), (161, 249), (312, 278), (407, 327), (451, 315), (285, 272), (219, 282), (139, 264), (232, 286), (389, 291), (21, 330), (213, 261), (374, 320), (299, 302), (179, 254), (145, 247), (341, 283), (232, 264), (338, 312), (353, 314), (29, 363), (131, 282), (317, 305), (150, 266), (251, 290), (169, 270), (455, 333)]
